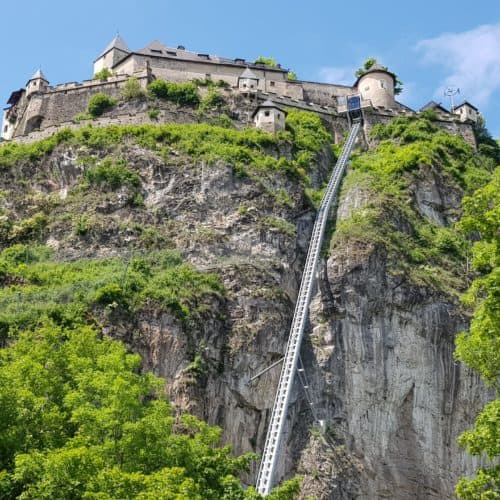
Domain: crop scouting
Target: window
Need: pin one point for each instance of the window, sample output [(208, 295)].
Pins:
[(244, 85), (266, 113), (5, 128), (156, 51), (367, 88), (382, 84), (171, 53), (251, 86), (279, 116), (271, 83)]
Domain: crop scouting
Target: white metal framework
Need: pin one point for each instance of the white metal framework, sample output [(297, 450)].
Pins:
[(278, 416)]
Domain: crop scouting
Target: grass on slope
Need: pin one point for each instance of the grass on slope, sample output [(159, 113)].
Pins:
[(424, 252), (242, 148), (35, 286)]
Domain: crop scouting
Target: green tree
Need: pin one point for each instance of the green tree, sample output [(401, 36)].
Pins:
[(479, 348), (368, 64), (486, 144), (268, 61), (78, 420), (103, 75)]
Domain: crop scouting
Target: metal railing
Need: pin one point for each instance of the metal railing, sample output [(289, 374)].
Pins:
[(278, 416)]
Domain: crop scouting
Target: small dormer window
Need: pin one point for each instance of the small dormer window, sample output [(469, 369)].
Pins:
[(156, 51), (171, 53)]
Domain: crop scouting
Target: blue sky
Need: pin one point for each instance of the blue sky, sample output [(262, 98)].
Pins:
[(430, 44)]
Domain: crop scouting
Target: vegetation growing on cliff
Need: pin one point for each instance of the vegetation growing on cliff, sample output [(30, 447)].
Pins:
[(99, 103), (132, 89), (242, 148), (411, 150), (181, 93), (35, 286)]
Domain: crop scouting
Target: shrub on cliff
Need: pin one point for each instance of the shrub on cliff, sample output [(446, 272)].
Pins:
[(112, 175), (132, 89), (99, 103), (212, 101), (180, 93)]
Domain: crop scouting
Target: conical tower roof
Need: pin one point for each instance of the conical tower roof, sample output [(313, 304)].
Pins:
[(117, 43), (38, 75), (248, 73), (268, 104)]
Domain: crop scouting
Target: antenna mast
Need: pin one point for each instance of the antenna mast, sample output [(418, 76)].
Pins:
[(451, 92)]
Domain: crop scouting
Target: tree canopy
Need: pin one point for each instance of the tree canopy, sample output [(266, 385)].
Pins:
[(78, 420), (480, 347)]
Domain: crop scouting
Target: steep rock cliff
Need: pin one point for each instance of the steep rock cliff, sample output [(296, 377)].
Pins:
[(385, 400)]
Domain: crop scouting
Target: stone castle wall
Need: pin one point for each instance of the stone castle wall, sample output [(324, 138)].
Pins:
[(59, 105), (325, 94)]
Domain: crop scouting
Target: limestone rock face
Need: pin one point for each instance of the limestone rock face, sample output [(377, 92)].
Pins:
[(386, 401), (378, 353)]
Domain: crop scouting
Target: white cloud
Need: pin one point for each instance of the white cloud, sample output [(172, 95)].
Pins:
[(471, 59), (341, 75)]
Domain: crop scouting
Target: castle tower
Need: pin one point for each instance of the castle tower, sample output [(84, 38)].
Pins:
[(269, 117), (112, 54), (466, 112), (37, 83), (248, 81), (377, 85)]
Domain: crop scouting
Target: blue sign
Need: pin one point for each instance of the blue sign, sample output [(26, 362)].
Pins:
[(353, 103)]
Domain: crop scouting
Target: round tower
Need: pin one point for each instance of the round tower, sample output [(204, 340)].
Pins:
[(377, 85), (37, 83)]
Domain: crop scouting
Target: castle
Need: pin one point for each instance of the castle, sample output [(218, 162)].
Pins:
[(38, 109)]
